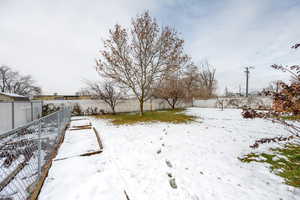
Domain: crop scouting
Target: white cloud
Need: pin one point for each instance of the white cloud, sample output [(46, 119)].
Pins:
[(57, 41), (247, 33)]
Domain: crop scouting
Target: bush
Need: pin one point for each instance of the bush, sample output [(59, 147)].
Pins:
[(47, 109), (77, 111)]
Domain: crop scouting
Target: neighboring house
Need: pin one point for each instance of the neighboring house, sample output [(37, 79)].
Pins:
[(12, 97)]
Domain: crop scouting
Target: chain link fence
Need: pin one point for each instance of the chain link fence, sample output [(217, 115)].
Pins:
[(27, 152)]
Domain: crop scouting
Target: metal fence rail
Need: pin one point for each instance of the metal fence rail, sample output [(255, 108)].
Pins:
[(25, 151)]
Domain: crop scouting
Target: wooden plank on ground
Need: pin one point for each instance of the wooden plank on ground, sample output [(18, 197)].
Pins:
[(98, 138)]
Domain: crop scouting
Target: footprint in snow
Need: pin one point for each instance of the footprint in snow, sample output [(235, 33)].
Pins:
[(173, 183), (169, 164)]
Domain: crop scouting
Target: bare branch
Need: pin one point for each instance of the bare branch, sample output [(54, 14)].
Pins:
[(286, 105)]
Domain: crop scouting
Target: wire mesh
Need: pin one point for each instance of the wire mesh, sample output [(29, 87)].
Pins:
[(25, 151)]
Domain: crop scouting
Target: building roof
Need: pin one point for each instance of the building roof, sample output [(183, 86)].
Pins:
[(15, 96), (12, 95)]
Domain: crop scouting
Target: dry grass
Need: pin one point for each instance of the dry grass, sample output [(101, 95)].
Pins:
[(293, 117), (169, 116)]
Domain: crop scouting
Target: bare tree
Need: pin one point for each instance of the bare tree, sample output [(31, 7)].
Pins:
[(139, 58), (191, 81), (292, 70), (13, 82), (220, 103), (107, 92), (273, 86), (83, 92), (208, 79), (171, 90)]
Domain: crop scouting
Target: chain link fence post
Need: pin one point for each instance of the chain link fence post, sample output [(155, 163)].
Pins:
[(12, 115), (31, 110), (58, 122), (39, 149)]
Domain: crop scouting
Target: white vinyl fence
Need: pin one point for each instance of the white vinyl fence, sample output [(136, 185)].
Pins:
[(235, 102), (128, 105), (18, 113)]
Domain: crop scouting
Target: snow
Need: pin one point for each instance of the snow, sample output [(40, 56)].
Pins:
[(11, 94), (80, 177), (78, 142), (202, 157)]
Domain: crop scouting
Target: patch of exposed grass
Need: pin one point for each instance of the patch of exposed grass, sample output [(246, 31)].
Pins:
[(284, 162), (293, 117), (249, 157), (169, 116)]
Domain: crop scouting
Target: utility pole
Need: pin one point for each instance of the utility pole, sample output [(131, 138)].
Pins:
[(247, 79)]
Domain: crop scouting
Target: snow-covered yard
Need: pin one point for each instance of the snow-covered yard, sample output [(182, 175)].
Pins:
[(142, 159)]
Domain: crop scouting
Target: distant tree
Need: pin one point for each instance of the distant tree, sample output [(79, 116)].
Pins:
[(171, 89), (141, 57), (286, 105), (83, 92), (199, 81), (208, 79), (220, 103), (272, 87), (191, 81), (108, 92), (226, 92), (13, 82)]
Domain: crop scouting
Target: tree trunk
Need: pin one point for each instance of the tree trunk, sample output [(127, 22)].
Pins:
[(141, 107), (170, 104), (174, 101), (113, 110), (111, 105)]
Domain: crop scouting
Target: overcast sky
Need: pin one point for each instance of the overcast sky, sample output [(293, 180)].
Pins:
[(57, 41)]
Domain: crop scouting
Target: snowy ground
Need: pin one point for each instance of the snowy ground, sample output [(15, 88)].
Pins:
[(202, 158)]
